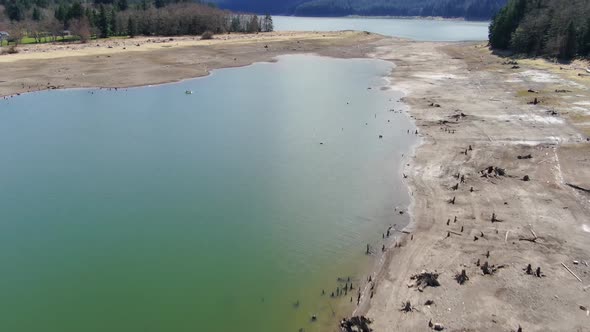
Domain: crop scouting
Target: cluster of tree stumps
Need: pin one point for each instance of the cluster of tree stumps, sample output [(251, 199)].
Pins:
[(466, 276), (355, 324)]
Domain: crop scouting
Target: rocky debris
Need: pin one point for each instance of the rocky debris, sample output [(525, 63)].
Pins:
[(526, 178), (355, 324), (426, 279), (528, 156)]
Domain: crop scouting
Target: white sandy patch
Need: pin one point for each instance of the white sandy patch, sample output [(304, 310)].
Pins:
[(546, 141), (586, 228), (583, 103), (539, 76), (545, 77), (514, 80), (544, 119), (533, 118), (438, 76), (578, 108)]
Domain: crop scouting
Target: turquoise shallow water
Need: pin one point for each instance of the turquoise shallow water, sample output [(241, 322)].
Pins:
[(416, 29), (147, 209)]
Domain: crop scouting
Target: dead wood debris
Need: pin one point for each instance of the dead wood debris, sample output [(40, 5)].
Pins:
[(407, 307), (356, 324), (492, 171), (461, 277), (426, 279), (579, 188), (435, 326), (489, 269), (537, 273)]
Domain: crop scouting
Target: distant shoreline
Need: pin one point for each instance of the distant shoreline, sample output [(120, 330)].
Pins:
[(427, 18)]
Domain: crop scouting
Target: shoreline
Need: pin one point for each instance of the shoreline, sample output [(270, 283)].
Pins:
[(381, 267), (159, 60), (387, 17), (482, 104)]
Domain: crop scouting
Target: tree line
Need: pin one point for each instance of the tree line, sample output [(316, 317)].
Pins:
[(45, 21), (470, 9), (557, 28)]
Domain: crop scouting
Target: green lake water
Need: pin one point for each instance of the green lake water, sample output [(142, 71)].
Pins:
[(148, 209)]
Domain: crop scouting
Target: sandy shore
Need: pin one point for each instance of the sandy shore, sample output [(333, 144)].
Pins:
[(155, 60), (472, 112)]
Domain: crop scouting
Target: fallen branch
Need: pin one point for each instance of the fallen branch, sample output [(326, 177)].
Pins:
[(534, 240), (426, 279), (579, 188), (572, 272), (533, 232)]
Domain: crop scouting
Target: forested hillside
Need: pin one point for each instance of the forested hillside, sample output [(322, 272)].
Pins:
[(46, 20), (470, 9), (283, 7), (543, 27)]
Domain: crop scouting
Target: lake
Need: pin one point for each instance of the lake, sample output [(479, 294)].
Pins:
[(416, 29), (229, 209)]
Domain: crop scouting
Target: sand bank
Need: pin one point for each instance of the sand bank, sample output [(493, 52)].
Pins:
[(143, 61)]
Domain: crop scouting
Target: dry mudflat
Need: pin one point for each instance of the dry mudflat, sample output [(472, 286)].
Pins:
[(472, 209), (473, 206)]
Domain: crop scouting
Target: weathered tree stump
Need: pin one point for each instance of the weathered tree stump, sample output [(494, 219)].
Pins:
[(406, 307), (461, 277)]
